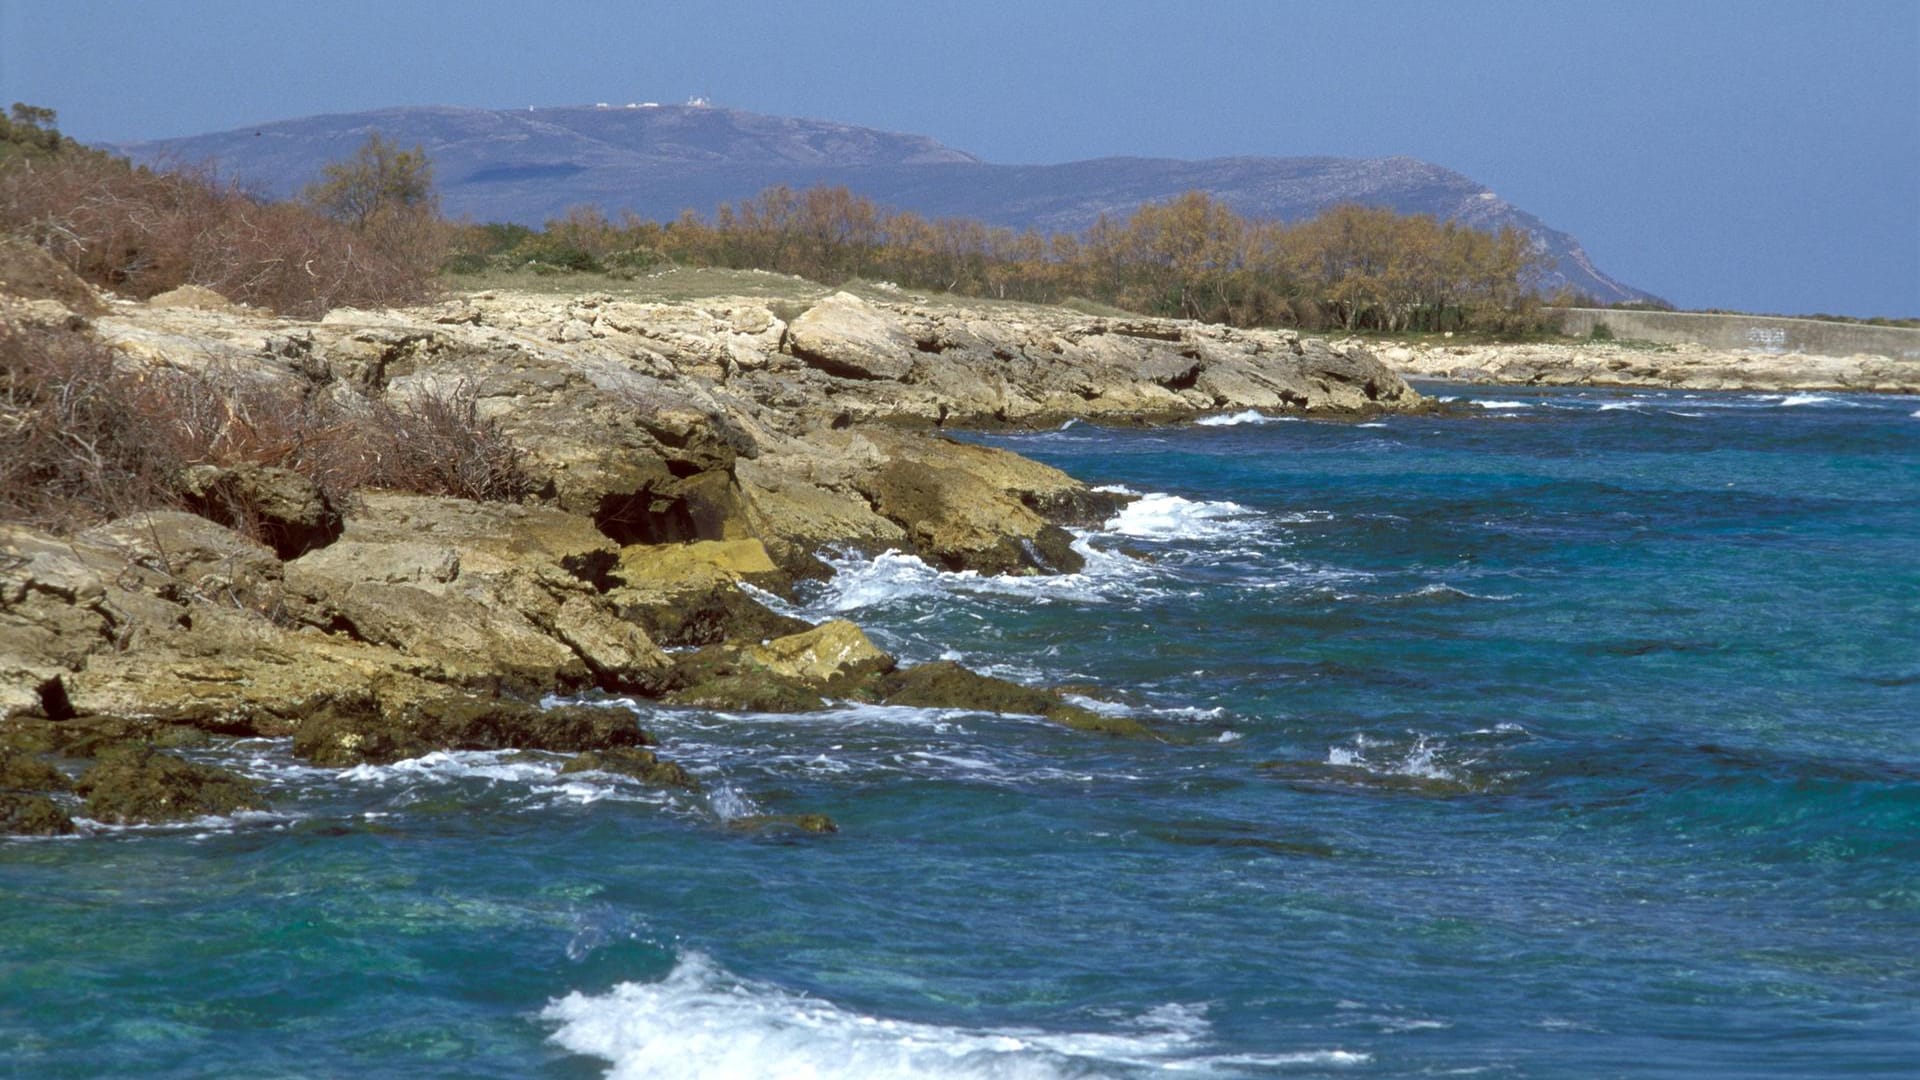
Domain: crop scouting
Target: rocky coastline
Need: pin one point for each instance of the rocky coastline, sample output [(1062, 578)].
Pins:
[(1667, 367), (676, 453)]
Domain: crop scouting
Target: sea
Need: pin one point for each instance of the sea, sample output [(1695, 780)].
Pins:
[(1569, 733)]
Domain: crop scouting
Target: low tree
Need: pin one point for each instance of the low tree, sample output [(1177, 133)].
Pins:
[(380, 180)]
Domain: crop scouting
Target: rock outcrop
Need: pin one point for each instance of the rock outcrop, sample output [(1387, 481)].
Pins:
[(1671, 367), (676, 452)]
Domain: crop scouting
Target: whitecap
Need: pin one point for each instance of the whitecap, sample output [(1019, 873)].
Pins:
[(1791, 400), (1504, 404), (701, 1021), (1170, 517), (448, 765), (892, 577), (1420, 760), (1246, 416)]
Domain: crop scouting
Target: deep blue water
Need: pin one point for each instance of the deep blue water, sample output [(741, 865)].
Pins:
[(1578, 736)]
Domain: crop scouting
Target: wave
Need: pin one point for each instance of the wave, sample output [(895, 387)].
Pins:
[(1246, 416), (860, 582), (1170, 517), (701, 1021), (1505, 404), (535, 773)]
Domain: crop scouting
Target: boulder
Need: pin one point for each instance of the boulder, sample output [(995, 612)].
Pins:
[(144, 786), (287, 511), (966, 507), (486, 595), (848, 338), (689, 594), (832, 655)]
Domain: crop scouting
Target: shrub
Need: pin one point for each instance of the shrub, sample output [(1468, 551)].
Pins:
[(82, 440), (1600, 332), (76, 441), (141, 231)]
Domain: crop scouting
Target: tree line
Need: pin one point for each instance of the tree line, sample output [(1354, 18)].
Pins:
[(1351, 268), (369, 231)]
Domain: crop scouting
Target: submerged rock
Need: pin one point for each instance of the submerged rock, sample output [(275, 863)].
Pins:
[(145, 786), (784, 824), (641, 765), (22, 771), (355, 734), (24, 814), (946, 685)]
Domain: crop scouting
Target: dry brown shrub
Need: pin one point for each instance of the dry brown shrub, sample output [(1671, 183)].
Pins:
[(82, 440), (141, 232), (77, 443)]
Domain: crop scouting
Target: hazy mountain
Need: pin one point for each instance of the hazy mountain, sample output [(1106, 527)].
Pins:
[(529, 166)]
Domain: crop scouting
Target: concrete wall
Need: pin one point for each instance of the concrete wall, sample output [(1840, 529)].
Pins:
[(1748, 333)]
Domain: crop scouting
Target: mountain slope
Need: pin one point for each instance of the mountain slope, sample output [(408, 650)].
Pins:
[(529, 166)]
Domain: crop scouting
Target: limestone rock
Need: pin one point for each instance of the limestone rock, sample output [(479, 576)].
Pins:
[(846, 337), (185, 556), (144, 786), (283, 508), (689, 594), (833, 654), (353, 734), (489, 595)]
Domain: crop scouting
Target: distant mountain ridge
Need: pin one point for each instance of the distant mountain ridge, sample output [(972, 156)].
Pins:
[(530, 165)]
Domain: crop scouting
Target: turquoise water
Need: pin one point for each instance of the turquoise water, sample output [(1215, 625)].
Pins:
[(1574, 736)]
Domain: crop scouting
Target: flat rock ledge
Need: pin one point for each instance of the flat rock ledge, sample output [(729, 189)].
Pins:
[(1670, 367), (678, 452)]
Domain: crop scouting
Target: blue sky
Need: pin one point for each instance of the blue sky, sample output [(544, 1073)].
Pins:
[(1754, 155)]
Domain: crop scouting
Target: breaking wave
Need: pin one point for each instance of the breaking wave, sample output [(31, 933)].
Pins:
[(703, 1022)]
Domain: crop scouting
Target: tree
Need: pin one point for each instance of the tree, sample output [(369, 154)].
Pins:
[(379, 181)]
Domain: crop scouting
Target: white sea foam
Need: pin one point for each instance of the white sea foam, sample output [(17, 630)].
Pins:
[(449, 765), (701, 1022), (1418, 760), (893, 576), (1247, 416), (1504, 404), (1791, 400), (1170, 517), (535, 774)]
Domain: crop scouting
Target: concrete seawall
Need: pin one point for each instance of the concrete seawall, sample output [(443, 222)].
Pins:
[(1747, 333)]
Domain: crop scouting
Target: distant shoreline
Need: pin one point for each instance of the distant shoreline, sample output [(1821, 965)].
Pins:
[(1673, 367)]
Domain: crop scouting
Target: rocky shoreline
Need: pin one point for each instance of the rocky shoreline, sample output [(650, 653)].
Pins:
[(676, 452), (1669, 367)]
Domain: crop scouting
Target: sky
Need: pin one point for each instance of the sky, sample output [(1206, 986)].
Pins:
[(1756, 155)]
